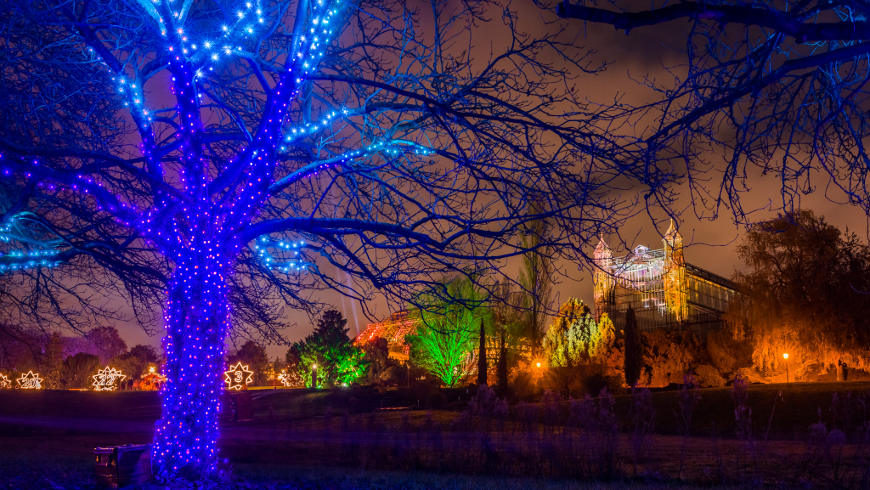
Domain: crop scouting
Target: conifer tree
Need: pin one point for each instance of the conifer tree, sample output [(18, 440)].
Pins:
[(573, 337), (481, 356), (633, 349), (502, 367)]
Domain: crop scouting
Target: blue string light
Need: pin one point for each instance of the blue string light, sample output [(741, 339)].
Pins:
[(35, 251), (287, 257), (194, 235), (197, 313)]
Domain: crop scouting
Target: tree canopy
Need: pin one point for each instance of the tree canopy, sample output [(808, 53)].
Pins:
[(254, 355), (774, 87), (215, 163), (575, 338), (805, 291), (328, 347), (450, 322)]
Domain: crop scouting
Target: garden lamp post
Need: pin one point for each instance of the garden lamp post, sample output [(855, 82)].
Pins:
[(537, 375), (314, 376), (785, 356)]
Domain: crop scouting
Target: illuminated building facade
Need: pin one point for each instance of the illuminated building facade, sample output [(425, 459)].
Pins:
[(662, 288)]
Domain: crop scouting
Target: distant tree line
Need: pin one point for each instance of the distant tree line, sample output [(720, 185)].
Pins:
[(70, 362)]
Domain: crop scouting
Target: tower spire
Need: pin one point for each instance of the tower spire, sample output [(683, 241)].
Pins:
[(676, 297), (602, 281), (602, 251)]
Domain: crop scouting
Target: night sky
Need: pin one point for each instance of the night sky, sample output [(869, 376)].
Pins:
[(710, 240)]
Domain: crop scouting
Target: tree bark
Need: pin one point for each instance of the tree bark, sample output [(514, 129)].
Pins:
[(196, 320)]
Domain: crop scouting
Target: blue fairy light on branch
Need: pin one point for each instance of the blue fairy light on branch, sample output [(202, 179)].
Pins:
[(282, 255), (243, 141), (19, 230)]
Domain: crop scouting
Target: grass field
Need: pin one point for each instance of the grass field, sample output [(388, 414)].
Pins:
[(362, 439)]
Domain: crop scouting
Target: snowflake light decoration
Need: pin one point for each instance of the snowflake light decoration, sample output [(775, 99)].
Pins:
[(238, 376), (5, 384), (30, 381), (107, 379)]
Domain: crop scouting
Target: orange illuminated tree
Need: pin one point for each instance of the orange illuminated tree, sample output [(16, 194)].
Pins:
[(805, 294)]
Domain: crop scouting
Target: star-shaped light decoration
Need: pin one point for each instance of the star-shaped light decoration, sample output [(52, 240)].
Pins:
[(5, 384), (30, 381), (284, 377), (107, 379), (238, 376)]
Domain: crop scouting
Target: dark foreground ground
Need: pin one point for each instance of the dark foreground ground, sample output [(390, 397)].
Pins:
[(361, 439)]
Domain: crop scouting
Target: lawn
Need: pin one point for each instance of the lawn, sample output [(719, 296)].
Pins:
[(353, 438)]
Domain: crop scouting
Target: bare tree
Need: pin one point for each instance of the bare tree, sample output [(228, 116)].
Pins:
[(226, 160), (775, 87), (536, 280)]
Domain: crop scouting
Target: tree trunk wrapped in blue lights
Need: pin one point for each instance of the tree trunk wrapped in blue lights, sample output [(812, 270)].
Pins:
[(197, 320), (220, 159)]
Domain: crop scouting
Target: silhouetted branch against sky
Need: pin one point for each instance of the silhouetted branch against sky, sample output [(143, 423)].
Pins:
[(223, 161), (767, 88), (409, 151)]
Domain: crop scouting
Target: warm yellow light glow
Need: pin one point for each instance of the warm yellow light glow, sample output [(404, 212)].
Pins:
[(538, 364), (314, 366), (785, 355), (151, 369), (107, 379), (238, 376), (674, 279), (30, 381), (284, 378)]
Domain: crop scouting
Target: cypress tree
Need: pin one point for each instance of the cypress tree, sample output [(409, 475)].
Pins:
[(633, 349), (501, 369), (481, 357)]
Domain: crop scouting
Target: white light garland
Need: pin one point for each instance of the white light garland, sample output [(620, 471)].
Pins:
[(107, 379), (30, 381)]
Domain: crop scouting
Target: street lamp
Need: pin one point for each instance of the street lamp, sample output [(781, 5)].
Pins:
[(314, 376), (785, 356)]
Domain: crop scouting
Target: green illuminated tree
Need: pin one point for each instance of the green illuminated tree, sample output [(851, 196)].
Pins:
[(328, 346), (450, 317)]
